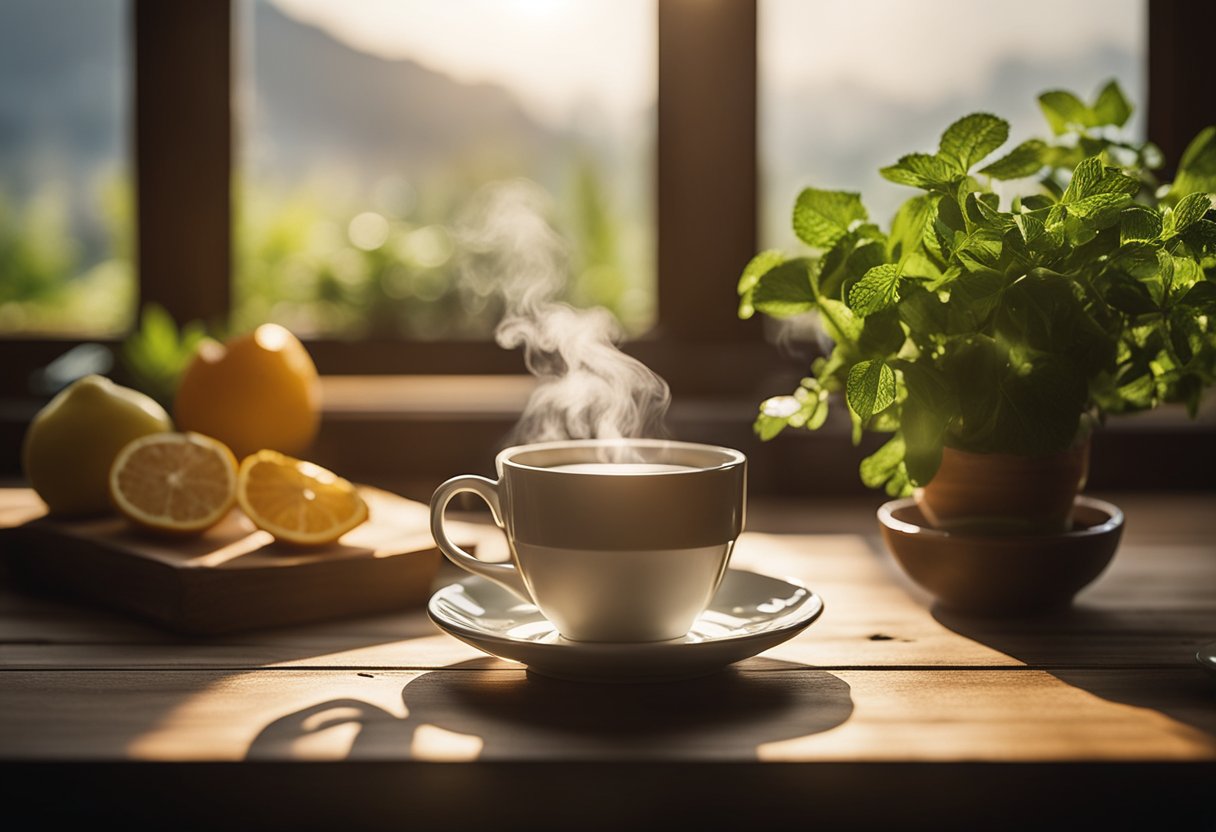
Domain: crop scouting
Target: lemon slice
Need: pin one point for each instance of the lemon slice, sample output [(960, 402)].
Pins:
[(297, 501), (183, 483)]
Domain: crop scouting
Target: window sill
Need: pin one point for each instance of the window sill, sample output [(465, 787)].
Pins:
[(408, 433)]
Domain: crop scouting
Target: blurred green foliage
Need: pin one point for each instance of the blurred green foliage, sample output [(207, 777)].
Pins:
[(400, 270), (50, 281), (156, 353), (317, 265)]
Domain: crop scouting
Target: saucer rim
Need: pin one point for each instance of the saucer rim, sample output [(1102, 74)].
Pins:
[(1112, 523), (1206, 657), (815, 608)]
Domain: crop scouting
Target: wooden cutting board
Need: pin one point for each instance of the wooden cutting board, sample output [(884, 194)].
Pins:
[(234, 577)]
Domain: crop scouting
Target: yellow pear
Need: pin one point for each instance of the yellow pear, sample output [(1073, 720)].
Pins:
[(72, 442)]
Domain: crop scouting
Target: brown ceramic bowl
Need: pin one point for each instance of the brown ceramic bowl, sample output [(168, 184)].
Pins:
[(1003, 575)]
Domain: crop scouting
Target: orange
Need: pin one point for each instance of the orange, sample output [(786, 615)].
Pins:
[(174, 482), (259, 390), (71, 443), (296, 501)]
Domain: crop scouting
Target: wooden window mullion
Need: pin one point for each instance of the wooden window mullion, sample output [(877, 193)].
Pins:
[(183, 155), (707, 200)]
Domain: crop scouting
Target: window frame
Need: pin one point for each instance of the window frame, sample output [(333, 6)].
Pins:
[(706, 191), (184, 111)]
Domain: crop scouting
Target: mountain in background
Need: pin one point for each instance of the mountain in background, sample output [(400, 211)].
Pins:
[(65, 98), (316, 102), (316, 98)]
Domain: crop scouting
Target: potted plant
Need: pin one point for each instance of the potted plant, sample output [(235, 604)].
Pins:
[(986, 335)]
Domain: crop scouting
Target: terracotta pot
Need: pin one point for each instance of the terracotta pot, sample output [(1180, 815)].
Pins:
[(1011, 574), (1004, 493)]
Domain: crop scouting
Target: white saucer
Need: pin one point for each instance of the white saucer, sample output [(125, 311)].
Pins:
[(1206, 656), (750, 614)]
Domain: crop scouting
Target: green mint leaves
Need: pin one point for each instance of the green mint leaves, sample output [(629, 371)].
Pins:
[(963, 145), (876, 291), (823, 217), (996, 324), (1197, 169), (1026, 159), (1066, 113), (870, 388), (971, 139)]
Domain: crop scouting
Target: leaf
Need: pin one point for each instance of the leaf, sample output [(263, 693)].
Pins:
[(870, 388), (973, 297), (948, 227), (833, 268), (1032, 230), (156, 353), (908, 227), (814, 405), (1099, 207), (1200, 297), (980, 250), (973, 367), (842, 325), (926, 412), (1085, 179), (924, 434), (1139, 223), (1040, 410), (1041, 311), (923, 312), (775, 415), (757, 267), (785, 290), (877, 290), (1064, 111), (982, 209), (1190, 210), (1026, 159), (881, 335), (1134, 283), (881, 465), (1186, 274), (1111, 107), (1200, 238), (1197, 168), (1185, 336), (864, 258), (922, 170), (971, 138), (823, 217), (1032, 202)]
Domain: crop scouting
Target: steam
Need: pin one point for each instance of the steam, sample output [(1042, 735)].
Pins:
[(588, 388)]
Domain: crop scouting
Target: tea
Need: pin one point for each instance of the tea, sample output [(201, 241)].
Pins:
[(630, 468)]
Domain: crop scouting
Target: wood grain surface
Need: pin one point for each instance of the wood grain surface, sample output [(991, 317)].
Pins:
[(232, 578), (883, 678)]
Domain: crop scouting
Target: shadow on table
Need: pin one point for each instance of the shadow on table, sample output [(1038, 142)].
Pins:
[(1119, 656), (466, 712)]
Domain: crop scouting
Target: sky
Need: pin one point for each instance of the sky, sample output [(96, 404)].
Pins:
[(557, 56), (943, 47), (562, 55)]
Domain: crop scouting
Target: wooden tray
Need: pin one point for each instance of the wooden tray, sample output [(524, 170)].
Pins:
[(234, 577)]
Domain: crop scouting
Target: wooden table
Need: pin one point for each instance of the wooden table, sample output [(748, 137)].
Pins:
[(886, 710)]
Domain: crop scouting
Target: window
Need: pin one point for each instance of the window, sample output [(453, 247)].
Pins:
[(377, 141), (246, 210), (847, 86), (65, 174)]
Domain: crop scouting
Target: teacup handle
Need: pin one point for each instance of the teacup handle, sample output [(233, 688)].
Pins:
[(503, 574)]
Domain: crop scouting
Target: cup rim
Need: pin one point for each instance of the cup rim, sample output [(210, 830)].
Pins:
[(734, 459)]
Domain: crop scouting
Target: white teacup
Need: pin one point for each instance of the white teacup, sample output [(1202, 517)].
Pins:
[(614, 540)]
